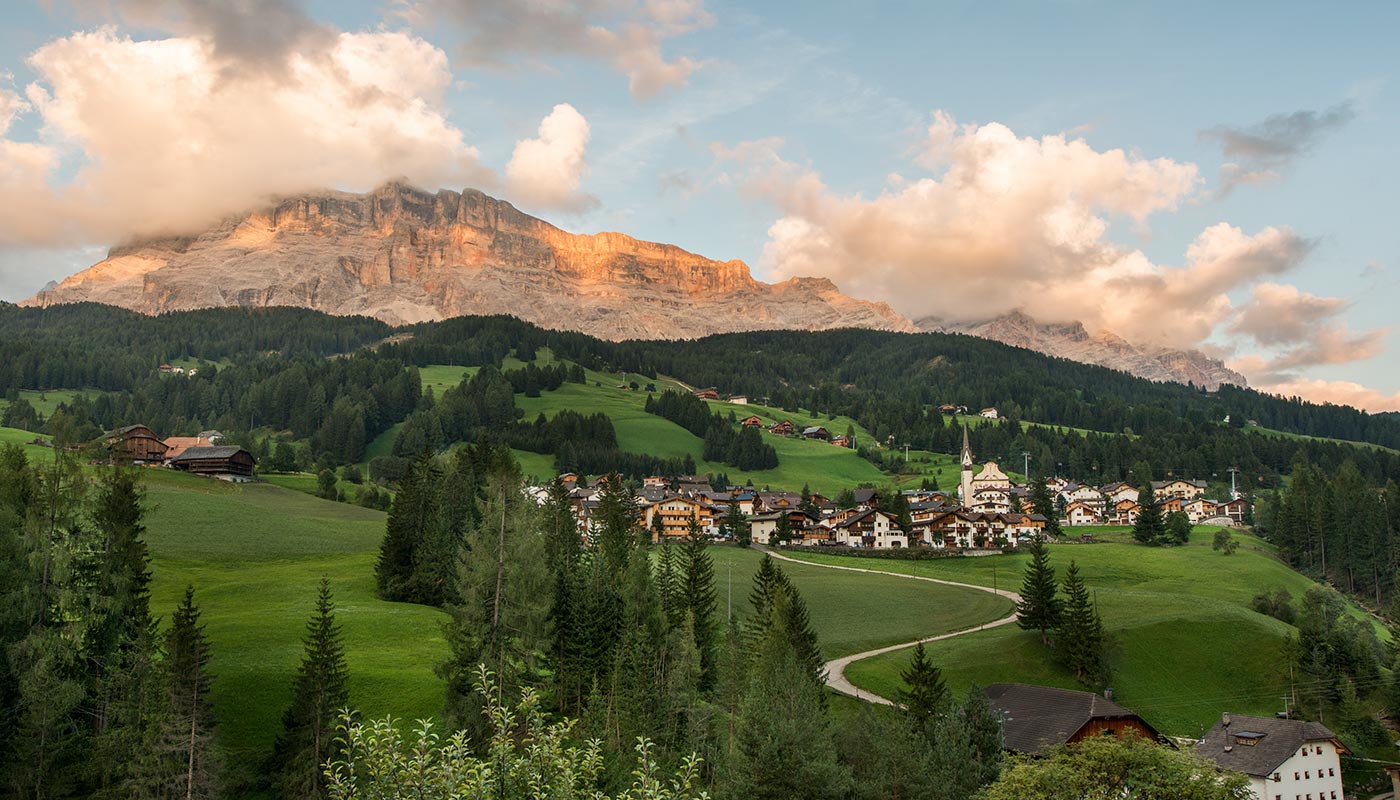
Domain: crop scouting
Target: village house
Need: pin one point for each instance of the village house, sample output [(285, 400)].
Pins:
[(707, 394), (225, 462), (871, 529), (751, 422), (1078, 513), (175, 445), (655, 480), (739, 399), (675, 514), (1119, 491), (135, 444), (1088, 495), (841, 441), (991, 500), (1236, 510), (1199, 510), (1178, 488), (1037, 718), (816, 432), (948, 409), (1125, 512), (1283, 758), (784, 428), (988, 413), (764, 527)]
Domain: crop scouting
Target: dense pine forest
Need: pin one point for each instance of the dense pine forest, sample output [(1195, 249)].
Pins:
[(335, 383)]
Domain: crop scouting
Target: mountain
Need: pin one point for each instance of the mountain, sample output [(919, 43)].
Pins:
[(403, 255), (1072, 341)]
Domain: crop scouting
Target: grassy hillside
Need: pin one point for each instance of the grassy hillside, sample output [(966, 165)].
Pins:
[(1186, 645), (255, 553), (1286, 435), (46, 402), (23, 438)]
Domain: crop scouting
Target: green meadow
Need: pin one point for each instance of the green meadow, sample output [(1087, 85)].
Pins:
[(46, 402), (254, 553), (1185, 645)]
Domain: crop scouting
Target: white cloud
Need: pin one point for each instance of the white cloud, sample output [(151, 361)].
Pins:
[(1007, 222), (545, 171), (1346, 393), (158, 136)]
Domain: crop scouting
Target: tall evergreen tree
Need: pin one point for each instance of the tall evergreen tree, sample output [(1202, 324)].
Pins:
[(1081, 637), (1039, 607), (319, 696), (699, 598), (1043, 503), (615, 523), (925, 692), (1150, 527), (736, 524), (182, 759), (413, 520), (772, 589)]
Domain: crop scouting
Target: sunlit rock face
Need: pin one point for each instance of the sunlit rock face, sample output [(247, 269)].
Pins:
[(404, 255)]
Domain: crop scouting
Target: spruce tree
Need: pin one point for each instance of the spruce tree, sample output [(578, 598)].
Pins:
[(615, 522), (183, 758), (319, 695), (1039, 608), (1150, 528), (736, 525), (925, 690), (699, 598), (772, 589), (783, 532), (1081, 643), (669, 584), (412, 520), (1043, 504)]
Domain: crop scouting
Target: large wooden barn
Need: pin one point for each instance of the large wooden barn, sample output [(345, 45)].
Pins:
[(135, 444), (1036, 718), (229, 463)]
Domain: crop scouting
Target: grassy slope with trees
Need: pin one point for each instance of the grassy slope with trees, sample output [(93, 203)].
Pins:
[(255, 553), (1186, 644)]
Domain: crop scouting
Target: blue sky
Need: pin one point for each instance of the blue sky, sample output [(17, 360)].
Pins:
[(953, 159)]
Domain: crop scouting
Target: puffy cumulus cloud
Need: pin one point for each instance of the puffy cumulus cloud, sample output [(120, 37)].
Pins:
[(1342, 393), (1259, 153), (156, 136), (1008, 223), (1302, 330), (545, 171), (627, 34)]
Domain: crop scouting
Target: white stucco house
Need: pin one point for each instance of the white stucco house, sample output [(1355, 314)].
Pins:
[(1284, 759)]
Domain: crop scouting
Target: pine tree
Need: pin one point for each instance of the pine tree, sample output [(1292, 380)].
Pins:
[(967, 746), (772, 589), (737, 525), (668, 584), (1039, 608), (1081, 642), (615, 522), (1178, 527), (1043, 504), (699, 598), (782, 533), (1150, 528), (182, 758), (413, 519), (926, 692), (319, 696)]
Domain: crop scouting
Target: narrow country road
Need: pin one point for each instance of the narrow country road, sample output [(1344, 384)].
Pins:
[(836, 668)]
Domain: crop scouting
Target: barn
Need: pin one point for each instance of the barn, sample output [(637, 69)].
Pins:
[(228, 463), (135, 444)]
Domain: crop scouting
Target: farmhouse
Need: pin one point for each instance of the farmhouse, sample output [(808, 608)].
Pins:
[(175, 445), (230, 463), (1125, 512), (707, 394), (1178, 488), (1036, 718), (751, 422), (135, 444), (784, 428), (1078, 513), (988, 413), (739, 399), (675, 514), (816, 432), (1281, 757)]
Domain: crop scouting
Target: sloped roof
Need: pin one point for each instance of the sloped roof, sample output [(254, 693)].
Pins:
[(209, 451), (1276, 741), (1036, 718)]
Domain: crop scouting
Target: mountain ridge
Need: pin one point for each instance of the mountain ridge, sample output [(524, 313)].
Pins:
[(404, 255)]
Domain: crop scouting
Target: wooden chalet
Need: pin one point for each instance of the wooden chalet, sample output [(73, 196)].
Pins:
[(1037, 718), (707, 394), (224, 462), (816, 432), (841, 441), (135, 444), (784, 428), (751, 422)]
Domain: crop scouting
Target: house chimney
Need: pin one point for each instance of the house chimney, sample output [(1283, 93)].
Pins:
[(1225, 720), (1108, 694)]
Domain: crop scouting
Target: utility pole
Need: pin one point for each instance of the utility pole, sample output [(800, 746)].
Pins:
[(1234, 495), (906, 452), (729, 601), (1026, 473)]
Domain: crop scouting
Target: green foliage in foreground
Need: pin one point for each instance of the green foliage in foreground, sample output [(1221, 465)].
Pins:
[(527, 758), (1107, 768)]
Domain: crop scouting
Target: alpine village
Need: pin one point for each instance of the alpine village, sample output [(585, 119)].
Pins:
[(1044, 445)]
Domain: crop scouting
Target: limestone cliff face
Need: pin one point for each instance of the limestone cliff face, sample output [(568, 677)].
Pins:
[(1071, 341), (404, 255)]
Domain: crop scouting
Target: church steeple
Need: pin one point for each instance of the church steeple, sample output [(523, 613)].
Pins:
[(966, 485)]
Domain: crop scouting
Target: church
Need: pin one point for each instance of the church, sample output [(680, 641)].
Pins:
[(989, 491)]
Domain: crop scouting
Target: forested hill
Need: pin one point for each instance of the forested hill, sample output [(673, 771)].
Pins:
[(274, 367)]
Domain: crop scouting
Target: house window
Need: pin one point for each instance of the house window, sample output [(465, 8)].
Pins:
[(1331, 772)]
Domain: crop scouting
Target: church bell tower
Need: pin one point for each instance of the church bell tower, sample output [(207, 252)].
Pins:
[(965, 489)]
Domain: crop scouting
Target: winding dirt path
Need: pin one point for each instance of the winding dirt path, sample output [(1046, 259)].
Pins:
[(836, 668)]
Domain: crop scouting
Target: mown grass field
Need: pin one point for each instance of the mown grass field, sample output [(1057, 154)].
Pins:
[(23, 439), (1185, 644), (46, 402)]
